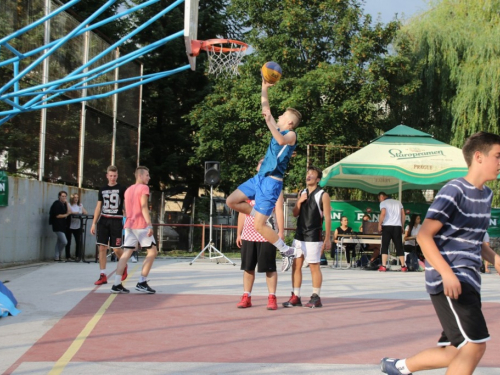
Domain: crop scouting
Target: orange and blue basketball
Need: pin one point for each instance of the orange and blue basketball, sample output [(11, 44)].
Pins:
[(271, 72)]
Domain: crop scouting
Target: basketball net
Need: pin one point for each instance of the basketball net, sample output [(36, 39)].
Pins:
[(224, 56)]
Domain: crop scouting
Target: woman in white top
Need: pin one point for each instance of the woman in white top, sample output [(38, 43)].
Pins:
[(75, 226), (411, 230)]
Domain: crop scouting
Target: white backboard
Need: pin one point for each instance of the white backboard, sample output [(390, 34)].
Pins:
[(190, 28)]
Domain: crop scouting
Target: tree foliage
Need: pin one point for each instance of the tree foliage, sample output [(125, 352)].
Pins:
[(453, 57), (336, 71), (454, 53), (166, 134)]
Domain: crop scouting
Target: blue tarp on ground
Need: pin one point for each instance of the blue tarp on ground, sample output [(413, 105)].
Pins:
[(8, 302)]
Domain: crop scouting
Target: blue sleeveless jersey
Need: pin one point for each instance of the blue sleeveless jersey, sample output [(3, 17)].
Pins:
[(276, 159)]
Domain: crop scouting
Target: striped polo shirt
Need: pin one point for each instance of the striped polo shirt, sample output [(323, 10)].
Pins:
[(464, 211)]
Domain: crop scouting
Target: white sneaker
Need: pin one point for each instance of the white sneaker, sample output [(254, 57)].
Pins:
[(288, 258), (133, 259)]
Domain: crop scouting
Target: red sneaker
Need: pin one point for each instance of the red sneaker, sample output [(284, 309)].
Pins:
[(404, 269), (245, 302), (382, 269), (102, 280), (271, 302), (293, 301), (125, 274)]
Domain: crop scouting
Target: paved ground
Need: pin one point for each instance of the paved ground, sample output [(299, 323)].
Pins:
[(192, 325)]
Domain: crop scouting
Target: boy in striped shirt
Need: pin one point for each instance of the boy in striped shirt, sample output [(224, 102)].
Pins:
[(451, 239)]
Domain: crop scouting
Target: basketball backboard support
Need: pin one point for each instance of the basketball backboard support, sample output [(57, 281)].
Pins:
[(190, 28)]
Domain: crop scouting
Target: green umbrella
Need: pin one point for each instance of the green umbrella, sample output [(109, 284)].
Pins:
[(401, 159)]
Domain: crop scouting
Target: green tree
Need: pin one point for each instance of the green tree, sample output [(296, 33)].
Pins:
[(452, 80), (334, 71), (166, 134), (453, 52), (112, 30)]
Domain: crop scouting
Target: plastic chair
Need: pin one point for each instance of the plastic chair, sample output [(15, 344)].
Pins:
[(339, 249)]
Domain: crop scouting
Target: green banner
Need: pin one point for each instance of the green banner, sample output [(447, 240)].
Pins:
[(4, 189), (354, 211)]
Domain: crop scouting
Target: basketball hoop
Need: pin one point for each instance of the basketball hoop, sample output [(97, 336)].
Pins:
[(224, 55)]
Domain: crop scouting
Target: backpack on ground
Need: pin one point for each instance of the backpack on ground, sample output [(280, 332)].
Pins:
[(412, 262), (363, 261), (323, 261)]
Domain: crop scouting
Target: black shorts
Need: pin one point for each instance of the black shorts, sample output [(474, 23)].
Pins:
[(262, 253), (110, 231), (394, 233), (461, 319)]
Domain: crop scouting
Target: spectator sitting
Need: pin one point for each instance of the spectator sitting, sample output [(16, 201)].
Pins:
[(411, 230), (370, 247), (350, 248)]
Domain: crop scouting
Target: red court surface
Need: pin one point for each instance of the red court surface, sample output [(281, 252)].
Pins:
[(209, 328)]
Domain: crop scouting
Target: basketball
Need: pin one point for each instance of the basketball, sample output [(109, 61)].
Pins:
[(271, 72)]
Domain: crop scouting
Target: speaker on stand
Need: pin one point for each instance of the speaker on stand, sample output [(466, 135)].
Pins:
[(212, 177)]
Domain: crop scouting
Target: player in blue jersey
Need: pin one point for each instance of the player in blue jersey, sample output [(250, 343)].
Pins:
[(451, 239), (266, 186)]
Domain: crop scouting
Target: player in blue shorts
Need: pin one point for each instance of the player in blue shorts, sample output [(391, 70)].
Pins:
[(451, 239), (266, 186)]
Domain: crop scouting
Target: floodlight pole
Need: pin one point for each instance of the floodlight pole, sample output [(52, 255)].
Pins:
[(210, 247)]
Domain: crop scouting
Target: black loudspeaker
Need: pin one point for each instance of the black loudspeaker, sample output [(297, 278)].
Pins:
[(212, 173)]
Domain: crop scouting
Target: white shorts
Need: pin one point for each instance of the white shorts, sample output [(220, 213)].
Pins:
[(135, 236), (310, 250)]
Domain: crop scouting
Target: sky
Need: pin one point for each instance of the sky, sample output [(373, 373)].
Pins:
[(388, 8)]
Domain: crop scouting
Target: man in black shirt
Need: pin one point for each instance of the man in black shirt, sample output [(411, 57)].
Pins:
[(313, 205), (59, 212), (108, 217)]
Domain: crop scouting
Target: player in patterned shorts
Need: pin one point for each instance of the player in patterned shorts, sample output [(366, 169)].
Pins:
[(256, 250), (108, 218)]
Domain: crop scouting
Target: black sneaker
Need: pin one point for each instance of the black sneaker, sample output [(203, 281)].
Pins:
[(314, 302), (271, 223), (144, 287), (116, 289)]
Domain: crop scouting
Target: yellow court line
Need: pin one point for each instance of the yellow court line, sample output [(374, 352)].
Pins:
[(83, 335)]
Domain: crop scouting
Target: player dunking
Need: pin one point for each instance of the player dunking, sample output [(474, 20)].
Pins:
[(108, 217), (266, 186)]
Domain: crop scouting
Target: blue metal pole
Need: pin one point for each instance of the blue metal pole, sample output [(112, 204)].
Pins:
[(106, 51), (16, 85), (89, 28), (39, 22), (57, 45), (98, 71), (152, 78)]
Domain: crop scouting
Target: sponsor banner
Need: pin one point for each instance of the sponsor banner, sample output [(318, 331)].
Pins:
[(4, 189), (354, 211)]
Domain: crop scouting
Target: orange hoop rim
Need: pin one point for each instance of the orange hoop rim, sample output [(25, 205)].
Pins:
[(209, 45)]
